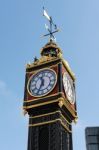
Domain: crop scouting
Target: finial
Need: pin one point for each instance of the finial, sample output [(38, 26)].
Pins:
[(52, 25), (35, 59)]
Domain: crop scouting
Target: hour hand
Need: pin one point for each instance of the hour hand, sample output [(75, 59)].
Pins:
[(41, 84)]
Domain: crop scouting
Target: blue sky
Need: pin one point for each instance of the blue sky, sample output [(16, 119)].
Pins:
[(21, 26)]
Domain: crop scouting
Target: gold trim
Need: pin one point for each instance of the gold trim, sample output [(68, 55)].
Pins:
[(76, 120), (26, 101), (68, 69), (36, 65), (65, 63), (44, 68), (70, 109), (43, 123), (65, 127), (36, 105), (69, 117), (67, 105), (48, 122), (37, 73), (51, 114), (65, 119), (51, 45), (45, 114), (64, 101), (60, 103)]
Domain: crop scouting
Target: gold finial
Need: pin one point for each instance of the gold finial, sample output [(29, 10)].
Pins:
[(61, 103)]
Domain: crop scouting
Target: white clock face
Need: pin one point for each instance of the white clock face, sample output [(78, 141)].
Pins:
[(69, 88), (42, 82)]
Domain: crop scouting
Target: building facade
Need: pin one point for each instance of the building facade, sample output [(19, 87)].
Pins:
[(92, 138)]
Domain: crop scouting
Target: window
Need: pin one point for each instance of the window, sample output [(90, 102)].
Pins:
[(93, 147)]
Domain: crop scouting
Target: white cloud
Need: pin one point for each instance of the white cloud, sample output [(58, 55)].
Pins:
[(8, 95), (2, 85), (10, 101), (4, 91)]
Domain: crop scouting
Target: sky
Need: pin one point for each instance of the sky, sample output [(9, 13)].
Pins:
[(21, 28)]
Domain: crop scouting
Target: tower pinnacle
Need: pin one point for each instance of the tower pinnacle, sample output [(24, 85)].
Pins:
[(52, 28)]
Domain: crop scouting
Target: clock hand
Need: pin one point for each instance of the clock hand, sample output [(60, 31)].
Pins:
[(42, 83), (42, 80)]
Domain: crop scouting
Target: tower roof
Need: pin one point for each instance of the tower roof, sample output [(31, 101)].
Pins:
[(51, 48)]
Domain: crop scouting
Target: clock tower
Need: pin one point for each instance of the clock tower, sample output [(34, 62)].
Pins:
[(50, 100)]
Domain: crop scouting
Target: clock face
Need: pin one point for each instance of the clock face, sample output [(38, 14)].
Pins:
[(69, 88), (42, 82)]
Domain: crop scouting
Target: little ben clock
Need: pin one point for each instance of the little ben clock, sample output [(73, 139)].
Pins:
[(42, 82), (69, 88)]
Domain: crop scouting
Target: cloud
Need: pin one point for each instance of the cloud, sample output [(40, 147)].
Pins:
[(2, 85), (4, 90), (9, 99), (6, 93)]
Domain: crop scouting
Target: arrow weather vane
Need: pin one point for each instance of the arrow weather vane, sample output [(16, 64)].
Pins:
[(52, 25)]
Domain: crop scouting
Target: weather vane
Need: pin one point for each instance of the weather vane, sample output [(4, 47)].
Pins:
[(52, 25)]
